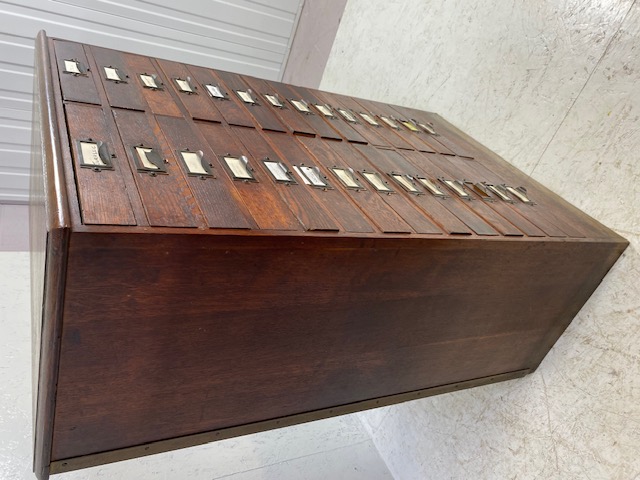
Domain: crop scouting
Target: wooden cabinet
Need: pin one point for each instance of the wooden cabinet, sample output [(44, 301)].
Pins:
[(216, 255)]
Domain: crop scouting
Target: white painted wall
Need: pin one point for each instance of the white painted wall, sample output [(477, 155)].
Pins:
[(244, 36), (554, 88)]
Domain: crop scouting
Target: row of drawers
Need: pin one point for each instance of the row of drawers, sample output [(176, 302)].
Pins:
[(151, 179), (172, 145), (163, 87)]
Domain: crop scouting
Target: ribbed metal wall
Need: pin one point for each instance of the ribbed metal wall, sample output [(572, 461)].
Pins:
[(244, 36)]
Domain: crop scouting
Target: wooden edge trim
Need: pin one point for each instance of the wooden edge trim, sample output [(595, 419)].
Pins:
[(60, 466), (57, 219), (56, 199), (52, 309)]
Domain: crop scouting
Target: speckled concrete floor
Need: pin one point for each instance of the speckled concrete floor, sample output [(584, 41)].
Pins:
[(554, 88)]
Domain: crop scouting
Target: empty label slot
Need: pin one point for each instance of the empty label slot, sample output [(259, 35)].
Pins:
[(311, 176), (390, 122), (432, 187), (482, 191), (498, 191), (73, 67), (520, 193), (456, 187), (113, 74), (184, 85), (427, 128), (375, 180), (347, 177), (148, 160)]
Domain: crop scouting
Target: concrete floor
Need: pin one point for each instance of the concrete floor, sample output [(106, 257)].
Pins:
[(554, 88)]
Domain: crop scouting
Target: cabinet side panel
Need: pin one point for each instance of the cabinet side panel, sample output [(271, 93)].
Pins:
[(172, 335)]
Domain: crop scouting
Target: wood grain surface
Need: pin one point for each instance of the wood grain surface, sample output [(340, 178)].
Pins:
[(77, 88), (261, 112), (306, 203), (175, 338), (102, 193), (198, 104), (159, 100), (289, 94), (337, 122), (167, 199), (125, 94)]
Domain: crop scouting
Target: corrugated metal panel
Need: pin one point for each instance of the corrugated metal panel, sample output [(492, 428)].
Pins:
[(244, 36)]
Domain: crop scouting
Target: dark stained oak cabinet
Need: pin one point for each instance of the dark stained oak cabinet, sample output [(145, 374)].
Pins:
[(215, 255)]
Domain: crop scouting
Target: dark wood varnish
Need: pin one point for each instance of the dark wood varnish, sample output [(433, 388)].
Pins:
[(166, 198), (287, 367), (312, 118), (259, 110), (373, 135), (103, 198), (220, 202), (303, 202), (229, 107), (125, 94), (206, 437), (207, 299), (290, 119), (159, 100), (344, 211), (77, 88), (336, 121), (266, 206), (395, 137), (198, 103)]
